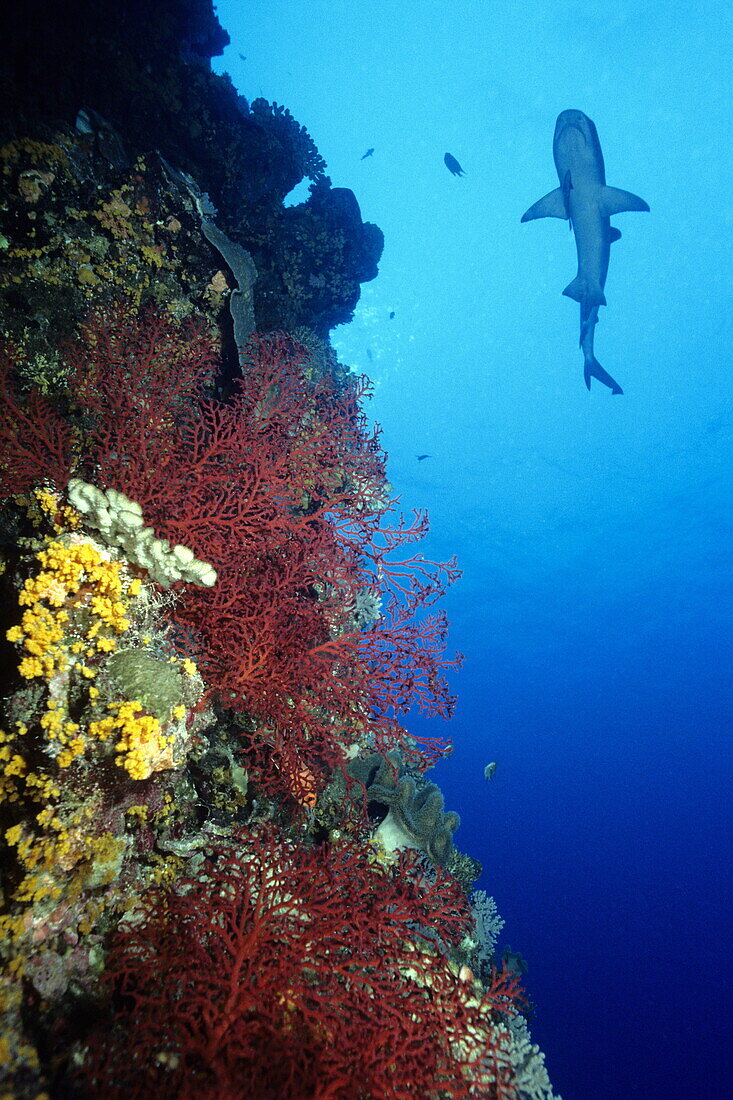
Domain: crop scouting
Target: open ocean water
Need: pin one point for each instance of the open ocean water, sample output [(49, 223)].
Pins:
[(593, 529)]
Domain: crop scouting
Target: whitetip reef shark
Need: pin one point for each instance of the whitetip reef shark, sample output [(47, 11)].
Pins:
[(587, 203)]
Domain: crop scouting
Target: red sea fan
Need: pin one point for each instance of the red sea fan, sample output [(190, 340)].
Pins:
[(35, 441), (290, 973), (282, 489), (135, 378)]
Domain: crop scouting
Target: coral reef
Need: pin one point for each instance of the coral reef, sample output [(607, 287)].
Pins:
[(324, 251), (155, 91), (75, 748), (314, 969), (416, 818), (283, 487), (211, 625)]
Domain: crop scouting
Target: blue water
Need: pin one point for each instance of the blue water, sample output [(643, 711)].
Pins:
[(595, 608)]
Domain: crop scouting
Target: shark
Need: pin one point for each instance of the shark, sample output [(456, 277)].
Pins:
[(585, 201)]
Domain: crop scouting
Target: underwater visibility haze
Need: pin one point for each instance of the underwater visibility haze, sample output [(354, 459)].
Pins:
[(593, 530), (278, 281)]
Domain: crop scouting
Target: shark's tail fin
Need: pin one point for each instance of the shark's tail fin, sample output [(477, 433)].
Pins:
[(588, 292), (593, 369)]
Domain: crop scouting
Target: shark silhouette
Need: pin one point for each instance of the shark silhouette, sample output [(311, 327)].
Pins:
[(587, 203)]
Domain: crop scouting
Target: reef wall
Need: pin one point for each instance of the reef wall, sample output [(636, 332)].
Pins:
[(223, 870)]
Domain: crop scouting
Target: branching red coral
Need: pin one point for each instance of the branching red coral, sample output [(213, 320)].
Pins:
[(35, 441), (289, 973), (282, 489), (134, 378)]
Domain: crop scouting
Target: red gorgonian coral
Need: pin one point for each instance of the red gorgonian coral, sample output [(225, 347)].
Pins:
[(282, 489), (284, 972), (35, 441)]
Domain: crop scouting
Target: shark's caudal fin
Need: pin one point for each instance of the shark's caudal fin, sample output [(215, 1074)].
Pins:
[(587, 291), (593, 369)]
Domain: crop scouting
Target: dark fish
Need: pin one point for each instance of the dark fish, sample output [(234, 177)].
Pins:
[(241, 57), (370, 355), (421, 457), (367, 154), (452, 165), (391, 316)]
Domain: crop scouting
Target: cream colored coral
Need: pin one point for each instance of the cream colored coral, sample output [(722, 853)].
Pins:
[(121, 524)]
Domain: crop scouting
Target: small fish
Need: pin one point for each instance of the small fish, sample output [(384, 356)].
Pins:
[(421, 458), (241, 57), (368, 153), (370, 355), (452, 165), (490, 771), (391, 316)]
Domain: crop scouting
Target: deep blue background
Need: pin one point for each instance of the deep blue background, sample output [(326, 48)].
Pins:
[(594, 531)]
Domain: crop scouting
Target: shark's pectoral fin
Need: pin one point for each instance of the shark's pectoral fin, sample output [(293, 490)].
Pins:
[(614, 234), (550, 206), (614, 201)]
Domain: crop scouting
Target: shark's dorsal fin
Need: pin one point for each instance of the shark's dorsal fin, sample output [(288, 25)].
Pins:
[(614, 234), (550, 206), (614, 201)]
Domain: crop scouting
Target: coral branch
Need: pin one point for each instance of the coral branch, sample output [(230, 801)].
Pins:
[(291, 972), (35, 441), (282, 490)]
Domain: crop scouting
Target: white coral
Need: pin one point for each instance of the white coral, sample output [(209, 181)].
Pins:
[(488, 924), (121, 524), (528, 1060)]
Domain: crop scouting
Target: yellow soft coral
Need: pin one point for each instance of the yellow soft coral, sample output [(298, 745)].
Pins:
[(74, 577), (142, 747), (76, 603)]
